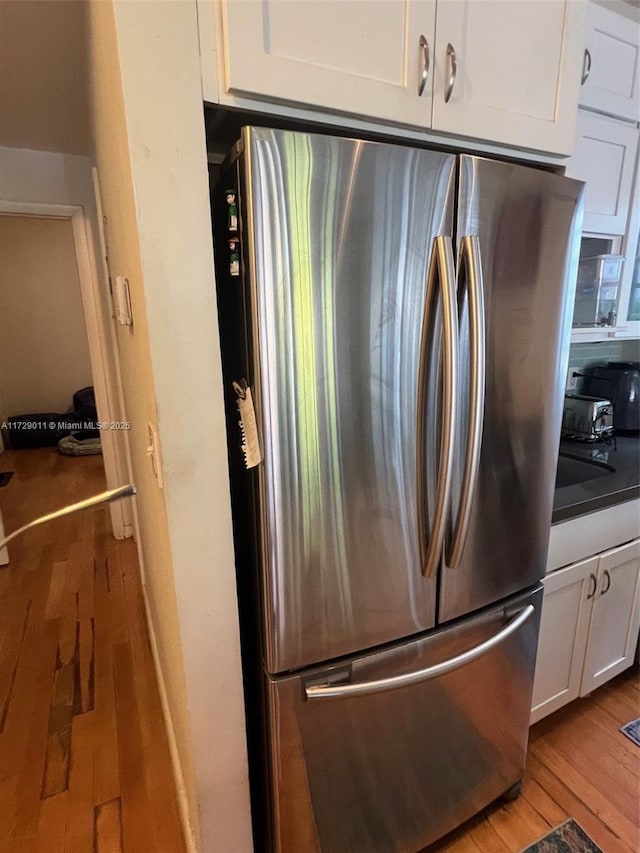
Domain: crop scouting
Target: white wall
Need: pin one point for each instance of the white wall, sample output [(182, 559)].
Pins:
[(149, 130), (43, 91), (43, 343)]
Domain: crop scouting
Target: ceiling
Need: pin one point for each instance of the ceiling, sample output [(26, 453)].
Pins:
[(43, 80)]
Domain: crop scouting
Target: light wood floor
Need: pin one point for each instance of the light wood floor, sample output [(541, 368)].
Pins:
[(84, 761)]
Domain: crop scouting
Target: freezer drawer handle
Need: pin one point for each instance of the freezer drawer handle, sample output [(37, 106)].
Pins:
[(365, 688), (440, 277), (470, 269)]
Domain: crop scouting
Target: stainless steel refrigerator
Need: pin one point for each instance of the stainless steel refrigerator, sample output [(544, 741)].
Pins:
[(395, 327)]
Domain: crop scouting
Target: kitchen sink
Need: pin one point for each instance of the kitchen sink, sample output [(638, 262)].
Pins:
[(576, 469)]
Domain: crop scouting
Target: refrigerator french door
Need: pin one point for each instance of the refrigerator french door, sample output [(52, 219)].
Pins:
[(392, 335)]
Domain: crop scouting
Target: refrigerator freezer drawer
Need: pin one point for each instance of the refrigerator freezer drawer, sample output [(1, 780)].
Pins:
[(392, 768)]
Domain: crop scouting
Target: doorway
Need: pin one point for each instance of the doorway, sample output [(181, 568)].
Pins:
[(54, 343)]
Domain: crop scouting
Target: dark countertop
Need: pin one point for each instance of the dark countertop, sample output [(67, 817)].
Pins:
[(599, 493)]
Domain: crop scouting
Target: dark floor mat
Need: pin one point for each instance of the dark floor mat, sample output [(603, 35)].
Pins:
[(632, 731), (569, 837), (5, 476)]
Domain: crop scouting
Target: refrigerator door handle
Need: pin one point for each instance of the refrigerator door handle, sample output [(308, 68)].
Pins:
[(365, 688), (470, 269), (440, 275)]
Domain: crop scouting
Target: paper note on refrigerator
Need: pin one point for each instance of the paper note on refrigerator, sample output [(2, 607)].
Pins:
[(248, 427)]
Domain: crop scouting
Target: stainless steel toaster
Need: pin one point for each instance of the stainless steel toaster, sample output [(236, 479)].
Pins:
[(587, 418)]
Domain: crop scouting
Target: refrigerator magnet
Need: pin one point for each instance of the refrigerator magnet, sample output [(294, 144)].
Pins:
[(234, 256), (250, 444), (232, 210)]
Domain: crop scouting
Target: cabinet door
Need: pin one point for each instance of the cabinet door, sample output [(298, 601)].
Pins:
[(355, 56), (613, 632), (629, 302), (611, 60), (604, 157), (566, 608), (517, 71)]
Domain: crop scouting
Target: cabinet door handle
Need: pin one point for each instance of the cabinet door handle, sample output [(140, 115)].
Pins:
[(593, 581), (424, 74), (586, 66), (607, 578), (453, 70)]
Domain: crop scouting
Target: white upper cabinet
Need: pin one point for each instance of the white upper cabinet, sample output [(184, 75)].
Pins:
[(605, 157), (611, 62), (368, 57), (497, 71), (509, 71)]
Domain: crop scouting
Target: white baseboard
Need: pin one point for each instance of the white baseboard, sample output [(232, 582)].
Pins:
[(181, 792)]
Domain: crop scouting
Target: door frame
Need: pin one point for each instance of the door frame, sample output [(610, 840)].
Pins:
[(103, 357)]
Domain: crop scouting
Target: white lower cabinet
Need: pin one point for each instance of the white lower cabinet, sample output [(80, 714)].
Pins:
[(564, 627), (615, 617), (589, 627)]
